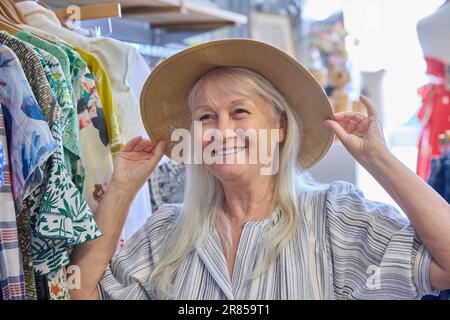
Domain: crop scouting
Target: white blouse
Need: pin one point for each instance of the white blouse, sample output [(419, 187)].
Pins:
[(346, 247)]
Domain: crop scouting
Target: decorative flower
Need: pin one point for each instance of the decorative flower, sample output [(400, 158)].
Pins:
[(98, 192), (84, 119), (55, 290)]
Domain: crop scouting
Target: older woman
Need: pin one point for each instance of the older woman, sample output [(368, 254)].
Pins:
[(241, 234)]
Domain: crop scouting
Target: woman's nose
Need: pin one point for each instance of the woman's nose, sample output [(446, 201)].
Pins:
[(226, 126)]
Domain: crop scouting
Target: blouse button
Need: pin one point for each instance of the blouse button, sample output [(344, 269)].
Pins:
[(445, 99)]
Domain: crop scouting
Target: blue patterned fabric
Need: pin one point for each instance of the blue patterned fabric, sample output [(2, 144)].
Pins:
[(30, 141)]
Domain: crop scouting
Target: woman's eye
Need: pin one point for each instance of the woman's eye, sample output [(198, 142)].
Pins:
[(240, 110), (205, 117)]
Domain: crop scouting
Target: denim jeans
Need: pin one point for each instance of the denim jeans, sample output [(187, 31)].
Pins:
[(440, 181), (440, 176)]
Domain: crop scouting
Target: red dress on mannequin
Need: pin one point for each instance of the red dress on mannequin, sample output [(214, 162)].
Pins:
[(434, 114)]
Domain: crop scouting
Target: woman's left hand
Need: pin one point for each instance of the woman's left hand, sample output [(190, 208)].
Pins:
[(361, 135)]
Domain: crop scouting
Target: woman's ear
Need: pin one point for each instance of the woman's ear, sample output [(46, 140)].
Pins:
[(283, 127)]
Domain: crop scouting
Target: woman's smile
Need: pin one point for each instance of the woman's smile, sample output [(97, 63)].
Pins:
[(229, 151)]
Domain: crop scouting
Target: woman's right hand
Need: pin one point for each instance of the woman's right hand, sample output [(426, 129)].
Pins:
[(135, 163)]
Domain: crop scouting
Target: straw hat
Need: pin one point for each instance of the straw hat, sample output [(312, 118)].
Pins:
[(164, 96)]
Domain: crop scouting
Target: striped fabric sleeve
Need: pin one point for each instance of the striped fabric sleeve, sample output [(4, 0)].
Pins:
[(375, 252), (127, 276)]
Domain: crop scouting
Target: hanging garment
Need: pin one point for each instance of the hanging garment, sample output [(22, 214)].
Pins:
[(72, 128), (63, 218), (46, 99), (109, 52), (30, 141), (49, 252), (138, 73), (35, 75), (63, 92), (30, 178), (434, 115), (57, 284), (54, 285), (58, 85), (11, 271), (94, 141), (105, 93), (51, 48)]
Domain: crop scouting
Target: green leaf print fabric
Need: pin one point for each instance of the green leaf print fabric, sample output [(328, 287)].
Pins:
[(51, 48), (63, 218), (71, 137)]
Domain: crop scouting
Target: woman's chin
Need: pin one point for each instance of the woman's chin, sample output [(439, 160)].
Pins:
[(228, 171)]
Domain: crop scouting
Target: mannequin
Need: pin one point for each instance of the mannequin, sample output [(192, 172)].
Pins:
[(433, 32)]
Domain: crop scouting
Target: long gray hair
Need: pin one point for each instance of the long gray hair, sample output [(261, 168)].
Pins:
[(204, 194)]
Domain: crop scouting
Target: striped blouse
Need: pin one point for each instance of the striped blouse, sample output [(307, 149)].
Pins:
[(346, 247)]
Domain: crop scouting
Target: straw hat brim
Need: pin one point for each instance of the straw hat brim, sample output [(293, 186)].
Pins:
[(164, 96)]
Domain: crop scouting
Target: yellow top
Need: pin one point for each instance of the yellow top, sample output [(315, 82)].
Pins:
[(105, 93)]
